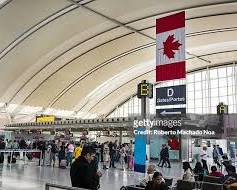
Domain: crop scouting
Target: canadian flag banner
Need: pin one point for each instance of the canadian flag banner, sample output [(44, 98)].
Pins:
[(170, 47)]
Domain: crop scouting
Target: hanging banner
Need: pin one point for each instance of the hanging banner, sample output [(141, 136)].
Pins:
[(170, 47)]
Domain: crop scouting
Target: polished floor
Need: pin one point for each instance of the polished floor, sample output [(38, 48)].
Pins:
[(29, 176)]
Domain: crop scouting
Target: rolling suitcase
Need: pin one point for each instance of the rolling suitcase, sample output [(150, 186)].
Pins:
[(63, 164)]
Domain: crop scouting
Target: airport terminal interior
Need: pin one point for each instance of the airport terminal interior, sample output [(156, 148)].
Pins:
[(118, 94)]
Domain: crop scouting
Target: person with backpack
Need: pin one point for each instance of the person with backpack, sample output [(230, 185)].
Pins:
[(62, 156), (54, 150)]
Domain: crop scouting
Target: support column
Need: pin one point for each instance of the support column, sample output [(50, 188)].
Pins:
[(120, 137)]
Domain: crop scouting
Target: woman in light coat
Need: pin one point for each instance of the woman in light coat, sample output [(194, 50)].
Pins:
[(106, 156)]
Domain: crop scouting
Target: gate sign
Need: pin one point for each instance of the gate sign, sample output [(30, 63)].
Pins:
[(171, 95), (222, 109)]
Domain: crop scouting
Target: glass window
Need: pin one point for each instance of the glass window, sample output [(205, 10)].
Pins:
[(229, 71), (214, 101), (213, 74), (198, 76), (213, 109), (222, 72), (190, 78), (224, 99), (214, 92), (230, 81), (190, 87), (222, 82), (198, 110), (223, 91), (198, 103), (198, 86), (190, 95), (214, 83), (191, 103), (230, 100), (198, 94), (190, 110)]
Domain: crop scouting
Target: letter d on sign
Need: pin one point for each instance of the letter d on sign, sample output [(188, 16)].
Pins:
[(170, 92)]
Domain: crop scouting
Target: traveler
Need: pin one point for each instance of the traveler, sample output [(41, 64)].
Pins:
[(203, 156), (231, 176), (161, 155), (220, 151), (54, 150), (215, 173), (2, 147), (157, 183), (226, 160), (83, 172), (216, 156), (70, 150), (78, 150), (112, 151), (199, 171), (122, 156), (188, 172), (165, 156), (62, 156), (149, 176), (106, 156)]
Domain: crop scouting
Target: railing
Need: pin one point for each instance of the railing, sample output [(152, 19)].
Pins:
[(48, 185)]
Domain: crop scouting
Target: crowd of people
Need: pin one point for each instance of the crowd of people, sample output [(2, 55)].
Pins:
[(63, 153), (83, 158)]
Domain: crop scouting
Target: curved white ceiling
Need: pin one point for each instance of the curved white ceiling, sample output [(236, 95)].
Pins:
[(88, 59)]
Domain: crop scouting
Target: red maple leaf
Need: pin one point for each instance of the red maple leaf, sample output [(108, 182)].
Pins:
[(170, 45)]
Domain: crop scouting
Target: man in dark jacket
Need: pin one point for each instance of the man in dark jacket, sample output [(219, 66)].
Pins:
[(165, 156), (82, 172)]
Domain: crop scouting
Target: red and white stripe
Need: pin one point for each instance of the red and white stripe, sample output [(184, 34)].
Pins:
[(170, 68)]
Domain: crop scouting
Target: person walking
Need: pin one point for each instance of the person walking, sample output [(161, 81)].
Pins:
[(203, 156), (166, 156), (161, 155), (216, 156), (106, 156)]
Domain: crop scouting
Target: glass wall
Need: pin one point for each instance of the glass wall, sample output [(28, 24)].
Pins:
[(205, 90)]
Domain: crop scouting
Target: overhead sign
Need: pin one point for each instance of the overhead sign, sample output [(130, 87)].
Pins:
[(172, 112), (49, 118), (170, 47), (145, 89), (222, 109), (171, 95)]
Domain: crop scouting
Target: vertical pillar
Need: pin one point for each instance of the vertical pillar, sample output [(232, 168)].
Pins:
[(120, 137), (142, 141)]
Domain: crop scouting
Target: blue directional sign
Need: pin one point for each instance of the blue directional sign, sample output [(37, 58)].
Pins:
[(171, 95), (172, 112)]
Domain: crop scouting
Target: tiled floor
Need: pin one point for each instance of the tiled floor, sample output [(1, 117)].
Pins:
[(29, 176)]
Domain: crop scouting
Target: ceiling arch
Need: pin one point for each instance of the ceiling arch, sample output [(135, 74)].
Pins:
[(60, 53)]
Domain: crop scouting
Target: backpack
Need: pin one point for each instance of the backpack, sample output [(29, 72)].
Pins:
[(54, 148)]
